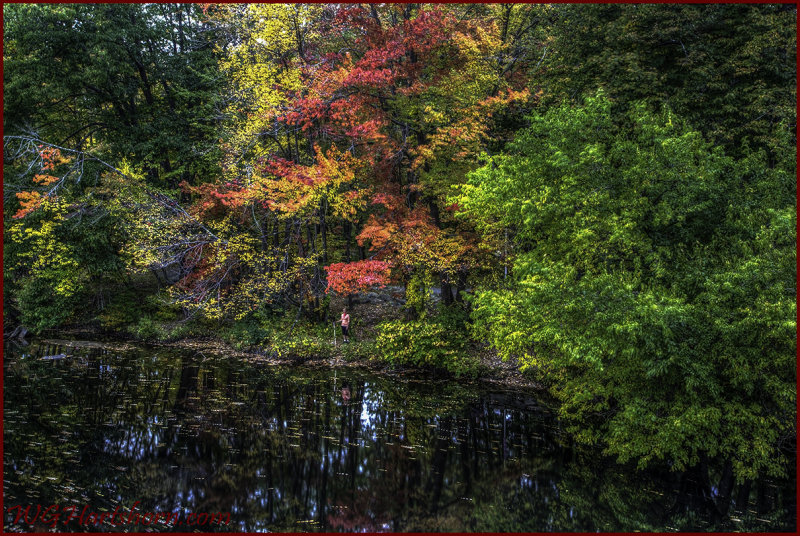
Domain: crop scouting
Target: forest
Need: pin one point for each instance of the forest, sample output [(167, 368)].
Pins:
[(603, 195)]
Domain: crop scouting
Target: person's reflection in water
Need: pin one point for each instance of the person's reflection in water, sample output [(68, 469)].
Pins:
[(346, 393)]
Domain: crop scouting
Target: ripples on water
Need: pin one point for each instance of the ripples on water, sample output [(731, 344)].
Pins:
[(296, 449)]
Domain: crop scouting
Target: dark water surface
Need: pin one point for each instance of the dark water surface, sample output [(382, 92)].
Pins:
[(301, 449)]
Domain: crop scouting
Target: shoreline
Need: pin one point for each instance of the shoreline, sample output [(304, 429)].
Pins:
[(494, 370)]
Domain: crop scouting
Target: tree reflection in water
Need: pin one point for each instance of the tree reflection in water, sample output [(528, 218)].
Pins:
[(291, 449)]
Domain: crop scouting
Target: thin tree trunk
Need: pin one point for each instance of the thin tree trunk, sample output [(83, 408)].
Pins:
[(461, 285), (447, 291), (347, 229), (725, 488), (324, 231)]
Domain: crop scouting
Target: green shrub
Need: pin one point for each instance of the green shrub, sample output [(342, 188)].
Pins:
[(123, 311), (418, 293), (127, 305), (358, 350), (439, 343), (196, 327), (301, 345), (148, 329), (278, 334), (246, 333), (41, 308)]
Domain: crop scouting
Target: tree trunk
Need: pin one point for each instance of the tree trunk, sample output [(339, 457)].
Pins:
[(743, 496), (347, 228), (725, 488), (324, 231), (461, 285), (447, 291)]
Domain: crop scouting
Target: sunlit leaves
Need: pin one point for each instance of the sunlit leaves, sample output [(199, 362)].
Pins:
[(261, 55)]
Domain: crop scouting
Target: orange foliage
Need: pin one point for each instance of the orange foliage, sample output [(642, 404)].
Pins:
[(29, 202), (348, 277)]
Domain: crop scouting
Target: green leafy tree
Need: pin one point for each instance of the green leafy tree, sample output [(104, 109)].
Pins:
[(653, 284), (730, 70), (133, 80)]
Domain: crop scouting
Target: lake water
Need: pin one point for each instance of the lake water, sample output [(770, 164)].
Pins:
[(285, 449)]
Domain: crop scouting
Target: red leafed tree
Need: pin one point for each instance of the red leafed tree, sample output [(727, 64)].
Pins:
[(412, 91), (349, 277)]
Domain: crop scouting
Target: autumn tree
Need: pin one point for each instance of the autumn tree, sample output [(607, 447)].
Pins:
[(411, 91), (346, 118)]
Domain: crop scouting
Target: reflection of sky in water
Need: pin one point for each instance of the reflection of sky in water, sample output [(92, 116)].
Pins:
[(367, 407), (281, 450)]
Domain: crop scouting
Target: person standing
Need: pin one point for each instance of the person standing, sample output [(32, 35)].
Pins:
[(345, 325)]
